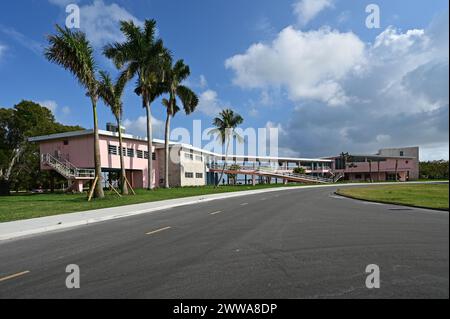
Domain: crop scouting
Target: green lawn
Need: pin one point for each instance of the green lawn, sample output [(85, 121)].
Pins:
[(419, 195), (23, 206)]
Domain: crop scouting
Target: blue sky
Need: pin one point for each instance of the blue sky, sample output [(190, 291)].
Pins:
[(308, 67)]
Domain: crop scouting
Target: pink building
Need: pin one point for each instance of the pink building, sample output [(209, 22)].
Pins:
[(76, 149), (71, 155), (400, 164)]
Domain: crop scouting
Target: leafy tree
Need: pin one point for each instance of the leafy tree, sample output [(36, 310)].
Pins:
[(434, 169), (71, 50), (174, 76), (141, 55), (226, 124), (19, 159), (299, 170)]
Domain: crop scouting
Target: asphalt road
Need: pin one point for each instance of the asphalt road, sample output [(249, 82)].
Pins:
[(303, 243)]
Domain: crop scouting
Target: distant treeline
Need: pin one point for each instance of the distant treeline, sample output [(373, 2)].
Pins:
[(19, 159), (434, 169)]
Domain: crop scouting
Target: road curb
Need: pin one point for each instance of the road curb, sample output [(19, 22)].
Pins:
[(388, 203), (189, 201)]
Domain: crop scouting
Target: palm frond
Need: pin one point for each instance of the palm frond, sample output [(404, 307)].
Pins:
[(73, 52), (188, 98)]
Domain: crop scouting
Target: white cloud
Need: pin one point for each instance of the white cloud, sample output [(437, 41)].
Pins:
[(50, 104), (62, 3), (2, 50), (202, 82), (210, 104), (392, 93), (22, 40), (253, 112), (302, 63), (138, 127), (278, 126), (100, 21), (306, 10), (434, 152), (65, 110)]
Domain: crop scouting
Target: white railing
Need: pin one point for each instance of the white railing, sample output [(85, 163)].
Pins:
[(67, 169)]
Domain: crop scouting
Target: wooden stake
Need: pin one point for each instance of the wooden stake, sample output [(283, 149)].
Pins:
[(91, 192), (114, 189), (129, 185)]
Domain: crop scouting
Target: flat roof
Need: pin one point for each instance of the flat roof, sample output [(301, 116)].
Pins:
[(374, 156), (182, 145)]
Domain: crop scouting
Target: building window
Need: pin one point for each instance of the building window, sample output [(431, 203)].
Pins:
[(139, 154), (66, 142), (199, 158), (198, 175), (401, 153), (130, 152), (153, 155), (189, 156), (124, 151), (189, 175), (112, 149)]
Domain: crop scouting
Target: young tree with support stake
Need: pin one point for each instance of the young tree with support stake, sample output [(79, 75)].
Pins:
[(71, 50), (111, 93), (141, 55), (174, 76)]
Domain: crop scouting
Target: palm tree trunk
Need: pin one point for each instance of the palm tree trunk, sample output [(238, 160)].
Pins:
[(166, 152), (224, 164), (378, 172), (123, 183), (396, 169), (149, 146), (98, 169)]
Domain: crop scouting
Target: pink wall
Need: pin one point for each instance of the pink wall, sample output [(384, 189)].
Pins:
[(387, 166), (80, 152)]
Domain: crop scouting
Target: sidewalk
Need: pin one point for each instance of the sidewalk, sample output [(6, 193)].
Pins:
[(20, 228)]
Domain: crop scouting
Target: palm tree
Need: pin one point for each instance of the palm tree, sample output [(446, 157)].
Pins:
[(174, 76), (71, 50), (370, 170), (226, 124), (111, 93), (141, 55)]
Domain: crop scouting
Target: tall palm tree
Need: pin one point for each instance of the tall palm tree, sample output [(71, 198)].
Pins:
[(71, 50), (226, 124), (174, 76), (141, 55), (111, 93)]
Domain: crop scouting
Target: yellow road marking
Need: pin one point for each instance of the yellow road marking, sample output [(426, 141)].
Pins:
[(214, 213), (14, 275), (158, 230)]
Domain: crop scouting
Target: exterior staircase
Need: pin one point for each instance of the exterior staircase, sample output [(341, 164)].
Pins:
[(67, 169)]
